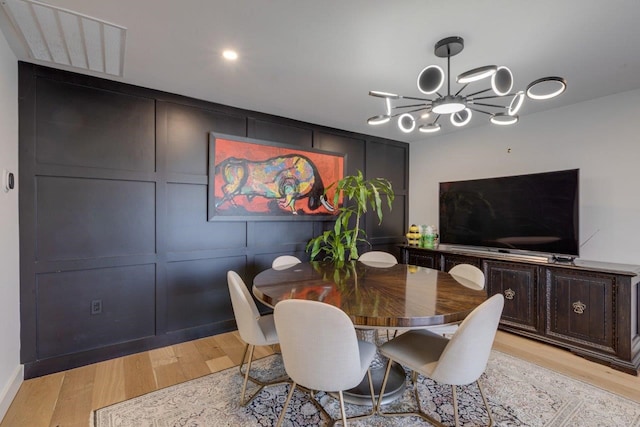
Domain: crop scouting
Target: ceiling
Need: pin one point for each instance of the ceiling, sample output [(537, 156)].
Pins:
[(316, 61)]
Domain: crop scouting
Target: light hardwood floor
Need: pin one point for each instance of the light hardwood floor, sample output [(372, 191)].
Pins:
[(66, 399)]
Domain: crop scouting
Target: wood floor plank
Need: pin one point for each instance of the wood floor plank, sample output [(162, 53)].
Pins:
[(169, 374), (232, 344), (35, 402), (138, 375), (74, 400), (162, 356), (108, 385), (191, 360), (209, 348), (220, 363)]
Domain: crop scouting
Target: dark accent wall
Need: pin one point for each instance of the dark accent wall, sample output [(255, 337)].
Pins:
[(116, 254)]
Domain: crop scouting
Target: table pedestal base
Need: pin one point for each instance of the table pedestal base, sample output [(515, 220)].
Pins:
[(360, 395)]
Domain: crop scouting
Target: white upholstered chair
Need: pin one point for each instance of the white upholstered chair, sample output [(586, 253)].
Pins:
[(469, 276), (284, 261), (457, 362), (320, 351), (254, 329), (378, 258)]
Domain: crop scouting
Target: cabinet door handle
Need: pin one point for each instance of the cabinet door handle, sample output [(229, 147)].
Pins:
[(578, 307), (509, 293)]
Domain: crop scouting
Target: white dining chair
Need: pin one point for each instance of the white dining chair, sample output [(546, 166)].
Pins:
[(468, 275), (459, 361), (254, 330), (378, 258), (284, 261), (321, 352), (471, 277)]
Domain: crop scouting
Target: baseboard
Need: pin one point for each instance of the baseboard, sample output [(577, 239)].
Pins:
[(10, 390)]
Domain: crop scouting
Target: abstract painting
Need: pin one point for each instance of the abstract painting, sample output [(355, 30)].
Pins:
[(268, 180)]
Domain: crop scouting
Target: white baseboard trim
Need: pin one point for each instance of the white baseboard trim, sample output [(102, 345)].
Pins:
[(10, 390)]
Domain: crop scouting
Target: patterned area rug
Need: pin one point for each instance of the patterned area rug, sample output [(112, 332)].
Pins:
[(519, 393)]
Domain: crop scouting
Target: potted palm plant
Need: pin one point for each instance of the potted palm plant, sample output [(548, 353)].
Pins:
[(358, 196)]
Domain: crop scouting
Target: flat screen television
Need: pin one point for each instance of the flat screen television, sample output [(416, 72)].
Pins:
[(533, 213)]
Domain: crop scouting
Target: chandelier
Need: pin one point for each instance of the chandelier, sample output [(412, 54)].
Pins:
[(459, 106)]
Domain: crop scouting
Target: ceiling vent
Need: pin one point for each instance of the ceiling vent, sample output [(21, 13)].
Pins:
[(63, 37)]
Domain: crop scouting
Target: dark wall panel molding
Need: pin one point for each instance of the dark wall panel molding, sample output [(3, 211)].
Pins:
[(187, 225), (283, 133), (197, 291), (187, 130), (82, 126), (89, 218), (116, 253), (79, 310)]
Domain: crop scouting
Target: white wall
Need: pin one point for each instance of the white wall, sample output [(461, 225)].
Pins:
[(600, 137), (10, 369)]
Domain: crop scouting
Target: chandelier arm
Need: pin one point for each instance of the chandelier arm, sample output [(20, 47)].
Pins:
[(407, 112), (480, 111), (416, 99), (436, 119), (461, 89), (493, 96), (411, 106), (448, 69), (489, 105), (478, 93)]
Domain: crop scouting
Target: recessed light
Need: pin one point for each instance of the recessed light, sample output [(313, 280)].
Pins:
[(230, 55)]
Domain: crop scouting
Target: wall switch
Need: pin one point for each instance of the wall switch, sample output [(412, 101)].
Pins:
[(96, 306), (8, 181)]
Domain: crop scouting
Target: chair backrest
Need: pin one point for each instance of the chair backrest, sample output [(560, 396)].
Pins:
[(470, 275), (244, 310), (318, 344), (466, 355), (284, 261), (378, 257)]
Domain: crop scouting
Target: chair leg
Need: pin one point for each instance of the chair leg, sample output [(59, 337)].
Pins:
[(372, 391), (414, 376), (286, 404), (486, 405), (455, 405), (420, 413), (246, 375), (342, 411), (244, 356), (384, 385)]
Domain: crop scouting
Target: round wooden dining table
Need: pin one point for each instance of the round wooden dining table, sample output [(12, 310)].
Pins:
[(375, 296)]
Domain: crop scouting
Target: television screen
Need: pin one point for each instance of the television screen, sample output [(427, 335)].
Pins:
[(536, 212)]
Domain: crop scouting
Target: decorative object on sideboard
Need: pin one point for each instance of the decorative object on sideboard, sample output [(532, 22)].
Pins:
[(413, 236), (429, 237), (459, 107)]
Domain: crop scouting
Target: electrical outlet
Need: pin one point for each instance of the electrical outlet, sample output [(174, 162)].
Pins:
[(96, 306)]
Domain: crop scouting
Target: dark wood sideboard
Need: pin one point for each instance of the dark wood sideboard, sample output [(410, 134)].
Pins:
[(589, 308)]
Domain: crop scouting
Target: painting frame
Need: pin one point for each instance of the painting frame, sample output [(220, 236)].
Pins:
[(258, 180)]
